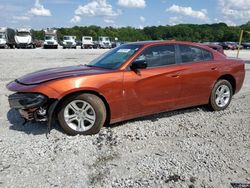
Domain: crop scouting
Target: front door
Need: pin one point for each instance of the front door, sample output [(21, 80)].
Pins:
[(155, 88)]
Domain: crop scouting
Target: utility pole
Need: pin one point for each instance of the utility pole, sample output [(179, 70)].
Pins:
[(241, 35)]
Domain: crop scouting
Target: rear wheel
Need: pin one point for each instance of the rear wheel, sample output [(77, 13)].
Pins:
[(82, 114), (221, 95)]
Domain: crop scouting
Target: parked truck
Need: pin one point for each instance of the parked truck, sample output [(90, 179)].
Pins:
[(50, 39), (24, 38), (87, 42), (7, 37), (103, 42), (69, 42)]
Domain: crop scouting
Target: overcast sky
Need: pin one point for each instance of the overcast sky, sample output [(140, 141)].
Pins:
[(40, 14)]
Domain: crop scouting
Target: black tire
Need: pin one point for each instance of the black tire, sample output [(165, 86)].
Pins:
[(212, 101), (98, 106)]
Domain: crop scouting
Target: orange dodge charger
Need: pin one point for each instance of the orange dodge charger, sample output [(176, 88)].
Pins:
[(130, 81)]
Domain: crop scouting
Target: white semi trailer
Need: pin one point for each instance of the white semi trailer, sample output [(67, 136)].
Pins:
[(24, 38), (50, 39), (7, 37)]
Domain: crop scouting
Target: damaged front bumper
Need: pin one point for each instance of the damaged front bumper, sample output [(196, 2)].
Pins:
[(27, 100), (31, 106)]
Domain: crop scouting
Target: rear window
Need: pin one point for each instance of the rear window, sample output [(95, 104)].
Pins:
[(193, 54)]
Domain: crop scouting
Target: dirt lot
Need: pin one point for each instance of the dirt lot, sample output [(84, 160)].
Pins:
[(185, 148)]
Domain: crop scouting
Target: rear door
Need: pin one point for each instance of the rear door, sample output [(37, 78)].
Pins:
[(155, 88), (199, 72)]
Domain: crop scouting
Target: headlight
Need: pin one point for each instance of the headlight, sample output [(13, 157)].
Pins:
[(26, 100)]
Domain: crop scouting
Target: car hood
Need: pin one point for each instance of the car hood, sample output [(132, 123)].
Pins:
[(58, 73)]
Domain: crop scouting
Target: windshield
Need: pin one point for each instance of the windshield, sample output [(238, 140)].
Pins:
[(23, 34), (48, 37), (2, 36), (66, 38), (104, 39), (87, 38), (116, 57)]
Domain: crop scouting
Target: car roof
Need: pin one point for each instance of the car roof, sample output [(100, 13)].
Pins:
[(156, 42)]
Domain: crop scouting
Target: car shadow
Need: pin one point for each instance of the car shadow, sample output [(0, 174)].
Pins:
[(156, 117), (17, 123)]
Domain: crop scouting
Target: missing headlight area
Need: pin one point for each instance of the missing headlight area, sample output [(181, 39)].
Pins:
[(31, 106), (27, 100)]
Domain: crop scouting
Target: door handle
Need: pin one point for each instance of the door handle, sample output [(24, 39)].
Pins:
[(214, 68), (175, 76)]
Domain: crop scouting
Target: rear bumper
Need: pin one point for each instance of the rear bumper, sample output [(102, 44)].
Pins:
[(240, 77), (26, 100)]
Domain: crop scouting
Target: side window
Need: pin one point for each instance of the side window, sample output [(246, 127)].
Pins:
[(207, 55), (193, 54), (157, 56)]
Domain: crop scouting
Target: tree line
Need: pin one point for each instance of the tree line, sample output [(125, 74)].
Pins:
[(218, 32)]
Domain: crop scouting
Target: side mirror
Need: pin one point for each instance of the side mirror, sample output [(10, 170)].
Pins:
[(139, 64)]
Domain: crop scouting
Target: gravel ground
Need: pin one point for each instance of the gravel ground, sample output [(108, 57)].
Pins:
[(186, 148)]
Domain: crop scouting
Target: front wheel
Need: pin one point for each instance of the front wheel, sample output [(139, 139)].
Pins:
[(221, 95), (82, 114)]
